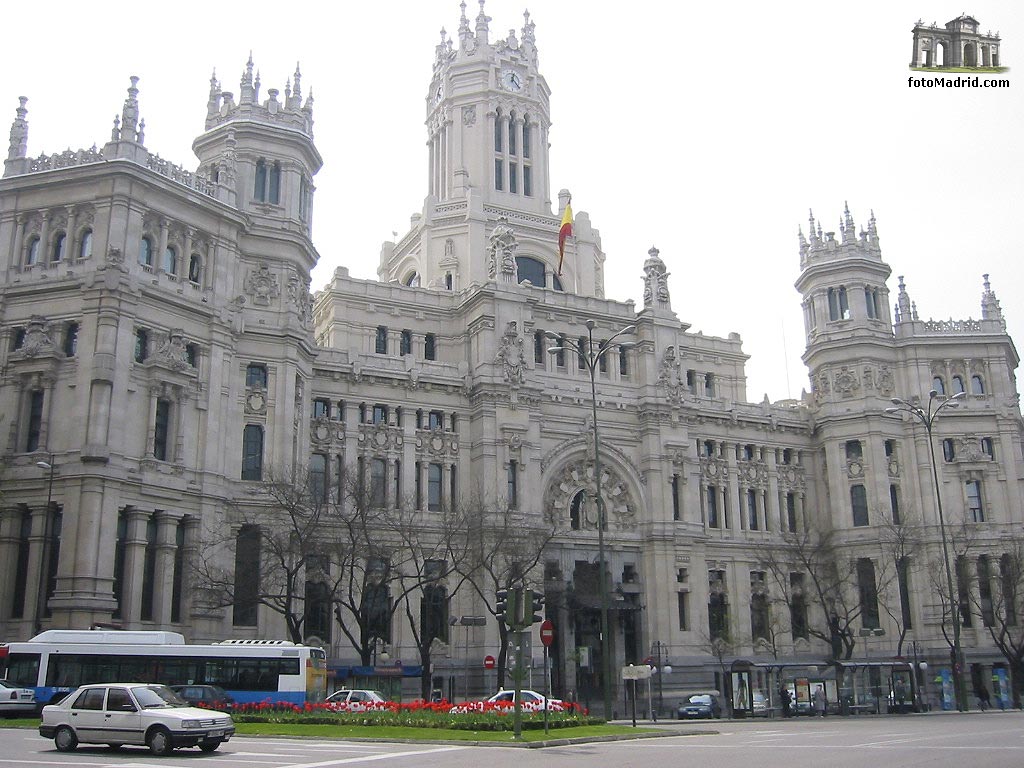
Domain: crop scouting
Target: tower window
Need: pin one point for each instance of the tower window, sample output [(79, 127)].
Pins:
[(32, 252), (526, 136), (381, 342), (623, 361), (854, 451), (859, 503), (871, 302), (977, 385), (709, 384), (195, 269), (141, 345), (512, 134), (430, 347), (58, 247), (146, 252), (838, 304), (497, 132), (527, 180), (256, 376), (513, 178), (958, 385), (171, 261), (530, 269), (499, 175), (267, 183), (252, 452), (405, 345), (939, 385), (161, 428)]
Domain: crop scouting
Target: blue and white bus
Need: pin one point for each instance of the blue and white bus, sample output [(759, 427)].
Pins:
[(57, 661)]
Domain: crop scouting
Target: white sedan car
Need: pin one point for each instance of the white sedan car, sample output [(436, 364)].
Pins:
[(355, 700), (16, 701), (531, 701), (133, 713)]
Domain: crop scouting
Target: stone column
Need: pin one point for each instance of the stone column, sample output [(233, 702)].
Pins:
[(36, 581), (158, 262), (48, 382), (163, 576), (134, 564), (19, 240), (191, 546), (70, 246), (181, 399), (154, 393), (44, 234), (10, 538)]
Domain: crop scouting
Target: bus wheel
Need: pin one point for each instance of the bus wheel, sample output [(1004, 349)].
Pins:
[(65, 740), (159, 741)]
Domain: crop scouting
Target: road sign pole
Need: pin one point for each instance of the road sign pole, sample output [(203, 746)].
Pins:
[(547, 690)]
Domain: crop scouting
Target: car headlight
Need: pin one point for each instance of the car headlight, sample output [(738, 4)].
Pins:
[(191, 724)]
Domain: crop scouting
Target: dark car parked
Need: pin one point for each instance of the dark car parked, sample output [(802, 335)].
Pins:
[(205, 696), (700, 706)]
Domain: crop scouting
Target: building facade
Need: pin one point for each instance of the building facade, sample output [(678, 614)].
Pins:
[(162, 353), (956, 44)]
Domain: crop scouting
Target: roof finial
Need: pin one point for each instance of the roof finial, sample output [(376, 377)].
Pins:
[(481, 25), (19, 131), (130, 111)]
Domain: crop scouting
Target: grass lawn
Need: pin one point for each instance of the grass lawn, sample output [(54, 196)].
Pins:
[(395, 732)]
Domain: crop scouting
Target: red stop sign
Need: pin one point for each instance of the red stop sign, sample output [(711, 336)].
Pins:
[(547, 632), (488, 662)]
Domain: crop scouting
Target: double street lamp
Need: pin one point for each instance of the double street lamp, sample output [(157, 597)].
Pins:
[(591, 354), (927, 415)]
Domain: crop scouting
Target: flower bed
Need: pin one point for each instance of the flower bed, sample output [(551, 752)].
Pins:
[(417, 714)]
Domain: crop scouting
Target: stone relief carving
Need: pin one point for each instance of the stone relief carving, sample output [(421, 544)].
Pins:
[(564, 489), (298, 294), (512, 356), (670, 376), (37, 339), (501, 252), (172, 351), (469, 115), (262, 286), (846, 381), (655, 281)]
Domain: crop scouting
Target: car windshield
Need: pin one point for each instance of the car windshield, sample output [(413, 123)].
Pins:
[(157, 696), (706, 700)]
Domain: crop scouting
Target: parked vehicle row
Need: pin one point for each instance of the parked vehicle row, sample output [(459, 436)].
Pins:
[(530, 701)]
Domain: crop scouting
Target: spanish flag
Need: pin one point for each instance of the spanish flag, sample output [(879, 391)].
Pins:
[(564, 231)]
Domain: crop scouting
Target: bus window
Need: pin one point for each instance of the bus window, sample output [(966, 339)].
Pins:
[(23, 669)]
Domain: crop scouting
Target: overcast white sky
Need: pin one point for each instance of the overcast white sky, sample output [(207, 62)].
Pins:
[(705, 129)]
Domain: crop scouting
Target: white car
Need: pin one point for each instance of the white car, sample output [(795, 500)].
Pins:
[(355, 700), (16, 701), (133, 713), (531, 701)]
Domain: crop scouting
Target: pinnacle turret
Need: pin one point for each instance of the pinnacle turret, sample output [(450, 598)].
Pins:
[(481, 25), (820, 244), (222, 107), (990, 309), (19, 132)]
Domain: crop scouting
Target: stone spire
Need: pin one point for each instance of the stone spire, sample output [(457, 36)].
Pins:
[(529, 45), (465, 33), (213, 105), (846, 226), (481, 25), (906, 311), (990, 309), (130, 114), (19, 132), (246, 92), (295, 100), (656, 282)]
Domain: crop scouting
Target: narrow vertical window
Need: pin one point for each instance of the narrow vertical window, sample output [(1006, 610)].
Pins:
[(894, 503), (21, 571), (538, 348), (988, 617), (513, 484), (274, 193), (957, 384), (149, 571), (171, 261), (903, 581), (430, 347), (418, 485), (377, 486), (161, 429), (512, 133), (527, 180), (791, 512), (963, 588), (252, 452), (405, 343), (434, 487), (497, 131), (146, 252), (178, 573), (602, 362), (939, 385), (247, 576), (120, 551), (868, 592), (677, 512), (711, 496), (977, 385), (453, 485), (32, 253), (623, 361), (71, 340), (560, 354), (681, 603), (844, 304), (948, 449), (859, 503), (709, 384), (752, 522), (260, 184), (318, 478), (35, 420), (499, 174), (513, 178), (195, 269), (58, 247), (381, 341), (85, 246), (526, 136), (141, 345), (974, 502), (581, 357)]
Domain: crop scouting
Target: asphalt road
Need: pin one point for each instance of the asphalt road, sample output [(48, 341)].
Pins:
[(977, 740)]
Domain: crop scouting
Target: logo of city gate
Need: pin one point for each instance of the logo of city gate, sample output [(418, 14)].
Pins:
[(957, 46)]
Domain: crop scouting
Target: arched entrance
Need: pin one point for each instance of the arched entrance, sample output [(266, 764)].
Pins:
[(941, 54), (970, 55)]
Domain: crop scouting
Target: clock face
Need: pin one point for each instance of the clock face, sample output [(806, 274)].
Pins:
[(511, 80)]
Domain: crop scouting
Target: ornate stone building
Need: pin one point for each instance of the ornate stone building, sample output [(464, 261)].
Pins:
[(957, 44), (160, 351)]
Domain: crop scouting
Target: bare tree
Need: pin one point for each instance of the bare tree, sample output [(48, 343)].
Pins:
[(279, 534), (999, 600), (900, 544)]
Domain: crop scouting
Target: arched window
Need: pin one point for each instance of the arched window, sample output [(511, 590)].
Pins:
[(146, 252), (171, 261), (412, 279), (977, 385), (85, 247), (530, 269), (958, 384), (32, 252), (59, 240), (252, 452), (511, 133), (939, 385), (576, 510), (498, 120), (195, 269), (526, 135)]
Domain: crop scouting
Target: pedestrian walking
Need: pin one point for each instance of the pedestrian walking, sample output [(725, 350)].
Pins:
[(819, 701), (786, 698), (984, 700)]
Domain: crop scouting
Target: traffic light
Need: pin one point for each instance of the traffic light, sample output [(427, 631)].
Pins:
[(535, 606), (501, 607)]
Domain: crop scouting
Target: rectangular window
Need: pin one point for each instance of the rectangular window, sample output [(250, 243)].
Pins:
[(709, 384), (71, 339), (247, 576), (988, 617), (252, 452), (623, 361), (178, 574), (538, 348), (499, 175), (161, 429), (318, 478), (718, 608), (854, 451), (405, 345), (859, 503), (381, 342), (602, 361), (560, 355), (581, 357), (677, 512), (894, 502), (149, 571), (141, 345), (528, 181), (682, 598), (434, 487), (430, 347), (377, 480), (963, 588), (453, 484), (321, 408), (513, 178), (256, 376), (419, 485), (791, 512), (21, 572), (974, 504), (890, 448), (380, 414), (35, 420), (435, 420), (752, 509), (691, 380), (513, 484), (712, 506), (1009, 579), (120, 551), (868, 592), (797, 606), (903, 581)]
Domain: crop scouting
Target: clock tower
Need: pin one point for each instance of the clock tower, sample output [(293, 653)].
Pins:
[(487, 119)]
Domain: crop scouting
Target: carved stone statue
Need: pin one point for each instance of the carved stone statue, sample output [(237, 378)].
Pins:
[(501, 253), (512, 356)]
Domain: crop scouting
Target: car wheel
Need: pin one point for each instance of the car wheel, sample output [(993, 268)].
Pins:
[(209, 746), (159, 742), (65, 740)]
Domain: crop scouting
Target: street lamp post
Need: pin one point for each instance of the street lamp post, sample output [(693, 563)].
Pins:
[(591, 356), (659, 651), (44, 554), (927, 416)]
